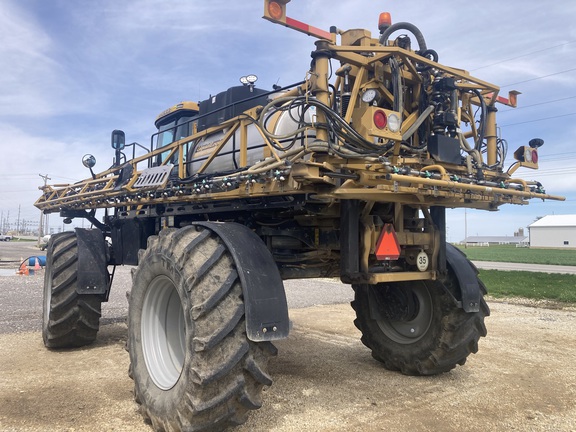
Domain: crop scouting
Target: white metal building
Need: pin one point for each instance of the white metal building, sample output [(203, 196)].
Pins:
[(554, 231), (495, 240)]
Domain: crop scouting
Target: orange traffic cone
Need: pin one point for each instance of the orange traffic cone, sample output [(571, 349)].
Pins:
[(23, 268), (37, 268)]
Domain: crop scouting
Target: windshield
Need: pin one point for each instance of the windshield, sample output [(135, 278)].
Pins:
[(174, 130), (167, 134), (178, 128)]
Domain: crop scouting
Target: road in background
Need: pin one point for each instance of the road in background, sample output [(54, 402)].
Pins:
[(538, 268), (13, 251)]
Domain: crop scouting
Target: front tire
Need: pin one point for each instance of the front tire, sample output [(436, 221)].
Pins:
[(193, 367), (416, 327), (69, 319)]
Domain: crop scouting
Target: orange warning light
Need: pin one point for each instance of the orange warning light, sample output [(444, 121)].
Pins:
[(388, 247), (275, 10), (384, 21)]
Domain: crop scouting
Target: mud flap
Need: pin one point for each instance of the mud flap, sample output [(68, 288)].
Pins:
[(93, 276), (264, 297), (467, 276)]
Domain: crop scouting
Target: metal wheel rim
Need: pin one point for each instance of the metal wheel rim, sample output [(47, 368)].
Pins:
[(47, 299), (163, 332), (408, 332)]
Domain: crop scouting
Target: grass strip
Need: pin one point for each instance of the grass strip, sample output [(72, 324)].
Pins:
[(506, 253), (538, 286)]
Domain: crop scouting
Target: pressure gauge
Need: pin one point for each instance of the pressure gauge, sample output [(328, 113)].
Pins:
[(369, 96)]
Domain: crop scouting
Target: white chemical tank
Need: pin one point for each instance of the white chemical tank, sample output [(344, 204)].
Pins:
[(228, 157)]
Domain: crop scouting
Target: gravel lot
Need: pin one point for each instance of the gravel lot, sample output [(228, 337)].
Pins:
[(523, 378)]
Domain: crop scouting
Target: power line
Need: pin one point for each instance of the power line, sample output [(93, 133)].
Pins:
[(557, 157), (547, 203), (537, 120), (521, 55), (536, 104), (41, 228), (26, 176), (562, 155), (555, 171), (547, 159), (557, 168), (537, 78), (551, 173)]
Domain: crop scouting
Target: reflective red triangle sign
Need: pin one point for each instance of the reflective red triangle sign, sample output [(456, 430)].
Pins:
[(387, 247)]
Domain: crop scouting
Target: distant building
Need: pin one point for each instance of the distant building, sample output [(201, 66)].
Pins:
[(496, 240), (518, 239), (554, 231)]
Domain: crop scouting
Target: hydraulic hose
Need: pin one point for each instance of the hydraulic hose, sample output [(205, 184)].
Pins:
[(397, 85), (482, 127), (405, 26), (471, 151), (412, 129)]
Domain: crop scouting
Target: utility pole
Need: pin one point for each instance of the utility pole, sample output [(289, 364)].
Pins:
[(465, 229), (41, 227), (18, 222)]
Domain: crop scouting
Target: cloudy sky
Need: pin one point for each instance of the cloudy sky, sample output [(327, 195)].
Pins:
[(74, 70)]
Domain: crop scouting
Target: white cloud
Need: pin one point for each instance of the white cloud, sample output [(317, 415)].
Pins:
[(73, 71), (29, 75)]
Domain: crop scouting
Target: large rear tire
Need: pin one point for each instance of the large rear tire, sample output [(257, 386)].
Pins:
[(193, 367), (69, 319), (417, 327)]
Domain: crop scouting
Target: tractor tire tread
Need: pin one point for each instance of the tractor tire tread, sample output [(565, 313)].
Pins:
[(73, 320), (226, 371)]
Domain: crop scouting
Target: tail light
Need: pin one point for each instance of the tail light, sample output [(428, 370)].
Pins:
[(383, 120), (527, 156), (380, 119)]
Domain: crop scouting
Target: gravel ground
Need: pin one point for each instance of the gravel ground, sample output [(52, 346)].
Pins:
[(523, 378)]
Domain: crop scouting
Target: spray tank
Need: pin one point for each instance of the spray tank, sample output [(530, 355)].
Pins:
[(286, 122)]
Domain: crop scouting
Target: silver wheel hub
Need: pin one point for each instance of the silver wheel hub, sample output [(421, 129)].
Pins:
[(163, 330)]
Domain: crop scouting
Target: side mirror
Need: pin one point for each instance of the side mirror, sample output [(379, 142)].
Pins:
[(118, 139), (88, 161)]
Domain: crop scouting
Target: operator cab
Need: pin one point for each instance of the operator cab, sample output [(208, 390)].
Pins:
[(173, 124)]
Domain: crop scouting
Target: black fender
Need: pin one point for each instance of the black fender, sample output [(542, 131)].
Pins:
[(93, 276), (467, 276), (265, 302)]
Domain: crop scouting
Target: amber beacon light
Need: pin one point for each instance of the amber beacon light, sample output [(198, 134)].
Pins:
[(384, 21), (276, 10)]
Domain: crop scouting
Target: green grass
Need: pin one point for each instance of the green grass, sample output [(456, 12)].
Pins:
[(506, 253), (556, 287)]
